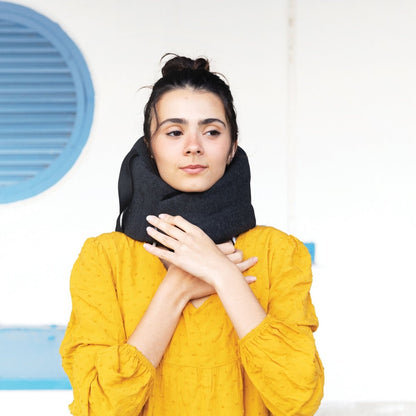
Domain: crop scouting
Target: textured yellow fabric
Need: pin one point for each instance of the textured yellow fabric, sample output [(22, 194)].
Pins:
[(206, 369)]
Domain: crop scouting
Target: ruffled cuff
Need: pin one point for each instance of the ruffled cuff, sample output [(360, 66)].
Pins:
[(289, 348), (282, 362), (123, 361), (255, 331)]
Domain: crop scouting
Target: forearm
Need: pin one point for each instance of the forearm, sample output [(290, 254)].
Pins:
[(238, 300), (193, 251), (154, 331)]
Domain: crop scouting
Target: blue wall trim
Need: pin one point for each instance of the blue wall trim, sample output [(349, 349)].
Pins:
[(311, 249), (35, 384), (30, 360)]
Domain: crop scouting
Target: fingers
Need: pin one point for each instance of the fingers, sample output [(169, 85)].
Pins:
[(177, 222), (173, 230), (246, 264), (189, 245), (226, 248), (233, 254), (237, 256), (164, 226), (162, 253)]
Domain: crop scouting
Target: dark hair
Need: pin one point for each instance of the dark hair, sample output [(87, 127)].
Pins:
[(182, 72)]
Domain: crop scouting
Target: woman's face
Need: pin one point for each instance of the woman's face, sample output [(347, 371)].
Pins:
[(192, 144)]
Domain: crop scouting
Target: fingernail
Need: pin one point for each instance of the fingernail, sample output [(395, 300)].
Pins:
[(250, 279)]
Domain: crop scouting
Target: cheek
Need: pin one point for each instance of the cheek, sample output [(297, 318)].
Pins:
[(227, 155), (159, 153), (162, 164), (165, 164), (220, 167)]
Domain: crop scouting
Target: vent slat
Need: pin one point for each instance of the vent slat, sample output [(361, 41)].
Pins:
[(16, 37), (31, 148), (27, 67), (40, 47), (63, 127), (46, 137), (19, 59), (28, 151), (37, 146), (35, 78), (8, 23), (6, 183), (35, 152), (8, 180), (40, 107), (30, 54), (38, 98), (39, 88), (37, 118), (15, 171), (26, 160), (6, 28)]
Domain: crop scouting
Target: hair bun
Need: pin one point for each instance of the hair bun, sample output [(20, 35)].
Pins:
[(181, 63)]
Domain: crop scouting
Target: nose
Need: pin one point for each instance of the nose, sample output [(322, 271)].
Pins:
[(193, 145)]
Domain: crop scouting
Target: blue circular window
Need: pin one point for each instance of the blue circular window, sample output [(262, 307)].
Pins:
[(46, 102)]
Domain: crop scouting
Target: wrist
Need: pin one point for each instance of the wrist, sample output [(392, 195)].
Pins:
[(225, 275), (174, 285)]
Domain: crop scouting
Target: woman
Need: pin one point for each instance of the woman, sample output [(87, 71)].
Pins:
[(168, 318)]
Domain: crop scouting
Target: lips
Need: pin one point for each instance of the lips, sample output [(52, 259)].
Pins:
[(193, 169)]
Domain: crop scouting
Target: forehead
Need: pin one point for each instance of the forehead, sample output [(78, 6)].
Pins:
[(190, 103)]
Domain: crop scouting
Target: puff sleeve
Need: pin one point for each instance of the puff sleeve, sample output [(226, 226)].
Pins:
[(108, 376), (279, 355)]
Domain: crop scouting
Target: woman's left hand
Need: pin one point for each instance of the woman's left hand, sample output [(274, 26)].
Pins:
[(237, 257), (192, 250)]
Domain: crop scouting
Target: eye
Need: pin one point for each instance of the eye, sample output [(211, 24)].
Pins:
[(174, 133), (213, 133)]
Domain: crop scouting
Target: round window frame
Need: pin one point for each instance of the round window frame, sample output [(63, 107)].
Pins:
[(84, 89)]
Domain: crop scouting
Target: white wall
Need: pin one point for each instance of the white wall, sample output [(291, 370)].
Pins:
[(335, 123), (356, 189), (123, 42)]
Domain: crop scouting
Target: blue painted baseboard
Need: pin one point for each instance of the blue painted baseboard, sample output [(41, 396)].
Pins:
[(35, 384), (30, 360)]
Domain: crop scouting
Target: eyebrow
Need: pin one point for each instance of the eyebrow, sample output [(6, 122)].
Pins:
[(200, 123)]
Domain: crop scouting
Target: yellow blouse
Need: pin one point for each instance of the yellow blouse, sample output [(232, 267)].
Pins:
[(206, 369)]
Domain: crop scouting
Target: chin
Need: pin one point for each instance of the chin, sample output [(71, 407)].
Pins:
[(193, 187)]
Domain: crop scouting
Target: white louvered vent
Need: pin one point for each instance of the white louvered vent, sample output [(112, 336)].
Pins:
[(42, 108)]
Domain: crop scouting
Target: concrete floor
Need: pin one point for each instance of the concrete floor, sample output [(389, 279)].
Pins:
[(367, 409), (55, 403)]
